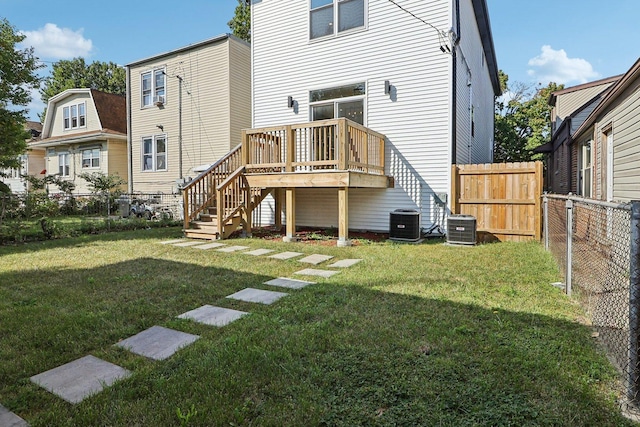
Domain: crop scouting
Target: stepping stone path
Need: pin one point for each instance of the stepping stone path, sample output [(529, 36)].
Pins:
[(210, 246), (283, 282), (213, 316), (345, 263), (188, 243), (258, 296), (286, 255), (233, 248), (315, 259), (157, 343), (259, 252), (172, 242), (314, 272), (9, 419), (81, 378)]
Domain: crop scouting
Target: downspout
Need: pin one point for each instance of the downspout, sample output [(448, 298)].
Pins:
[(454, 88), (129, 141)]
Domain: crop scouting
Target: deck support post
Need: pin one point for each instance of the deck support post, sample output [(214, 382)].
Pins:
[(343, 217), (277, 197), (291, 215)]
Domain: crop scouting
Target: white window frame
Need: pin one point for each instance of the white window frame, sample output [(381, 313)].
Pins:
[(92, 158), (337, 101), (74, 116), (335, 5), (585, 163), (153, 154), (155, 91), (64, 164)]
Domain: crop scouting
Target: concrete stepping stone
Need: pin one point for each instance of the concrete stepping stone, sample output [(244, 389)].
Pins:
[(213, 316), (284, 282), (314, 272), (188, 243), (81, 378), (258, 296), (315, 259), (345, 263), (172, 242), (157, 343), (9, 419), (233, 248), (210, 245), (258, 252), (286, 255)]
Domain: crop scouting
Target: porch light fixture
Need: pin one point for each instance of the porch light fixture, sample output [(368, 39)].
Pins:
[(387, 87), (290, 102)]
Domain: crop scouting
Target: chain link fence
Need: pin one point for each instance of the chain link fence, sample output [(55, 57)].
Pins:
[(596, 245)]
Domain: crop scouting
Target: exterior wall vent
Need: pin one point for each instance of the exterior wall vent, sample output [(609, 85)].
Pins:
[(461, 229), (404, 225)]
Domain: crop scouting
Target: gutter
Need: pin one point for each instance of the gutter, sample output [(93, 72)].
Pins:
[(129, 144)]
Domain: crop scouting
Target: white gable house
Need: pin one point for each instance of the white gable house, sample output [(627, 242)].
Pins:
[(421, 73)]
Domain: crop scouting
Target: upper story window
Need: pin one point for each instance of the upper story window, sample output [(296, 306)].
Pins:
[(152, 84), (74, 116), (331, 17)]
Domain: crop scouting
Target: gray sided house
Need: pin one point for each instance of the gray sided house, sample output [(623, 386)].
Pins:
[(568, 162), (85, 130), (613, 131), (186, 109)]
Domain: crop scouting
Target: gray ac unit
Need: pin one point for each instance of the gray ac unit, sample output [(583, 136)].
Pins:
[(404, 225), (461, 229)]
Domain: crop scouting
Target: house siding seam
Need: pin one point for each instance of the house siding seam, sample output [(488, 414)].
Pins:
[(416, 118)]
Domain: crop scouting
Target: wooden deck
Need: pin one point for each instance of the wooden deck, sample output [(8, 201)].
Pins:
[(334, 153)]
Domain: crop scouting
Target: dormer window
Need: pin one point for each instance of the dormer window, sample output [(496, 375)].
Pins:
[(324, 14), (74, 116), (153, 87)]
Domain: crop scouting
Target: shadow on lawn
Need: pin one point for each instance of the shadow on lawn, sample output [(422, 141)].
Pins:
[(330, 354)]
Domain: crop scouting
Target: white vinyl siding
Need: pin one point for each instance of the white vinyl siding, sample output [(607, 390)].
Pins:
[(79, 106), (415, 117)]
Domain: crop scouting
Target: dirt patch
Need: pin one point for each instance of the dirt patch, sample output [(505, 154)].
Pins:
[(321, 236)]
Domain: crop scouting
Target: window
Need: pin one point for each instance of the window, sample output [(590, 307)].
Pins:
[(341, 101), (349, 14), (153, 87), (91, 158), (584, 169), (154, 153), (63, 164), (74, 116)]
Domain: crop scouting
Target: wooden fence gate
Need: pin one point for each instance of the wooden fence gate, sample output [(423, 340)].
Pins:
[(505, 198)]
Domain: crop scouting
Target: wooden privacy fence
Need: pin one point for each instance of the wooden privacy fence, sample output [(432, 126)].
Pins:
[(505, 199)]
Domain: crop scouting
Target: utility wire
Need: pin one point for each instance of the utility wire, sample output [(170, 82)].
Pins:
[(441, 34)]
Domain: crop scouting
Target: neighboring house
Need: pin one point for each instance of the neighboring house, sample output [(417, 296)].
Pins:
[(568, 163), (186, 110), (85, 130), (32, 161), (612, 130), (425, 77)]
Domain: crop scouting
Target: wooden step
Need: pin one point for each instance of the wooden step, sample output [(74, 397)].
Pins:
[(198, 233)]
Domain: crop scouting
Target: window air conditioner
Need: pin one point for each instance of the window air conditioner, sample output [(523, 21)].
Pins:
[(461, 229), (158, 100)]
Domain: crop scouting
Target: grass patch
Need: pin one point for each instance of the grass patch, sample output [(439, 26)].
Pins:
[(413, 335)]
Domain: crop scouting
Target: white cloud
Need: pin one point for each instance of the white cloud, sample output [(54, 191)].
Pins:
[(53, 42), (555, 66)]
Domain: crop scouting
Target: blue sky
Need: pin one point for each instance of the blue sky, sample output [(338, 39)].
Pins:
[(566, 41)]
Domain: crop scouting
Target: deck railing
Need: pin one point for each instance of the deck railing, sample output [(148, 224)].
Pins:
[(337, 144), (200, 193)]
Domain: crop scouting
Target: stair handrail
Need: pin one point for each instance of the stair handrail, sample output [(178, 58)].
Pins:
[(193, 208), (226, 213)]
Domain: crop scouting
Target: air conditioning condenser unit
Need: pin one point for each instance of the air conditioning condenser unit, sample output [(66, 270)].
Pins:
[(461, 229), (404, 225)]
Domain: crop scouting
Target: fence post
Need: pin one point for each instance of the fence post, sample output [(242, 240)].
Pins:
[(634, 301), (567, 274), (545, 221)]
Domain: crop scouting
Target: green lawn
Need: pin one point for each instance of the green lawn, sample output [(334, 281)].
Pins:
[(414, 335)]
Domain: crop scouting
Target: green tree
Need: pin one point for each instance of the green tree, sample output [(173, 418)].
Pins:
[(101, 183), (75, 73), (17, 79), (522, 121), (240, 24)]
